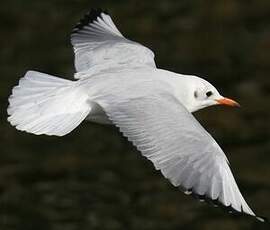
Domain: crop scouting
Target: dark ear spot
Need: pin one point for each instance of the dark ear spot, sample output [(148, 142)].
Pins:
[(209, 93), (195, 94)]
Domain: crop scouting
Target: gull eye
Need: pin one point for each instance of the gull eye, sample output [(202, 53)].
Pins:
[(209, 93), (195, 94)]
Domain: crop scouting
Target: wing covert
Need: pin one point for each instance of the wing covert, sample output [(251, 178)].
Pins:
[(98, 45)]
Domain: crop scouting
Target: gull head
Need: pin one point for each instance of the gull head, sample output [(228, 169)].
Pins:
[(202, 94)]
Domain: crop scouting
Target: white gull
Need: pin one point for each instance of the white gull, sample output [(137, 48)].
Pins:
[(117, 82)]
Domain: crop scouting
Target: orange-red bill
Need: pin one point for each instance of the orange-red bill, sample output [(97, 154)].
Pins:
[(228, 101)]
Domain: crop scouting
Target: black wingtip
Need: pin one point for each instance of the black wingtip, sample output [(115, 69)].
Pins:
[(217, 203), (88, 18)]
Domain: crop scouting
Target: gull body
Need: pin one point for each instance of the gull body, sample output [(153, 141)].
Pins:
[(117, 82), (183, 87)]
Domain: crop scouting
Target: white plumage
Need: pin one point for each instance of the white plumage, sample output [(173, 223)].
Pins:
[(100, 46), (118, 83), (43, 104)]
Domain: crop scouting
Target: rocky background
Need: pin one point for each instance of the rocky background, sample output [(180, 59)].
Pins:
[(93, 178)]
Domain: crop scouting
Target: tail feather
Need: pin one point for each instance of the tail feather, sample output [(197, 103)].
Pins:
[(44, 104)]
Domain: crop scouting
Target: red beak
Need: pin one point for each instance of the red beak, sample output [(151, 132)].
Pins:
[(228, 102)]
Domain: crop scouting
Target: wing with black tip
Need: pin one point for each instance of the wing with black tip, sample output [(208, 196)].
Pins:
[(168, 135), (99, 45)]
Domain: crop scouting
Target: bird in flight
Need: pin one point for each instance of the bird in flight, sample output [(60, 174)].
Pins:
[(117, 82)]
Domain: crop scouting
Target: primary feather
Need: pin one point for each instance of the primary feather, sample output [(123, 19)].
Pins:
[(98, 45)]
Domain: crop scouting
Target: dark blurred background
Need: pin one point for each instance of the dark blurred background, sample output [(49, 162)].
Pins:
[(93, 178)]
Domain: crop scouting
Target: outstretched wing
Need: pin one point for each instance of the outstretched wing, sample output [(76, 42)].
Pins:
[(168, 135), (99, 45)]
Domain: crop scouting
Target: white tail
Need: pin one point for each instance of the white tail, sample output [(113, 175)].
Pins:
[(44, 104)]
